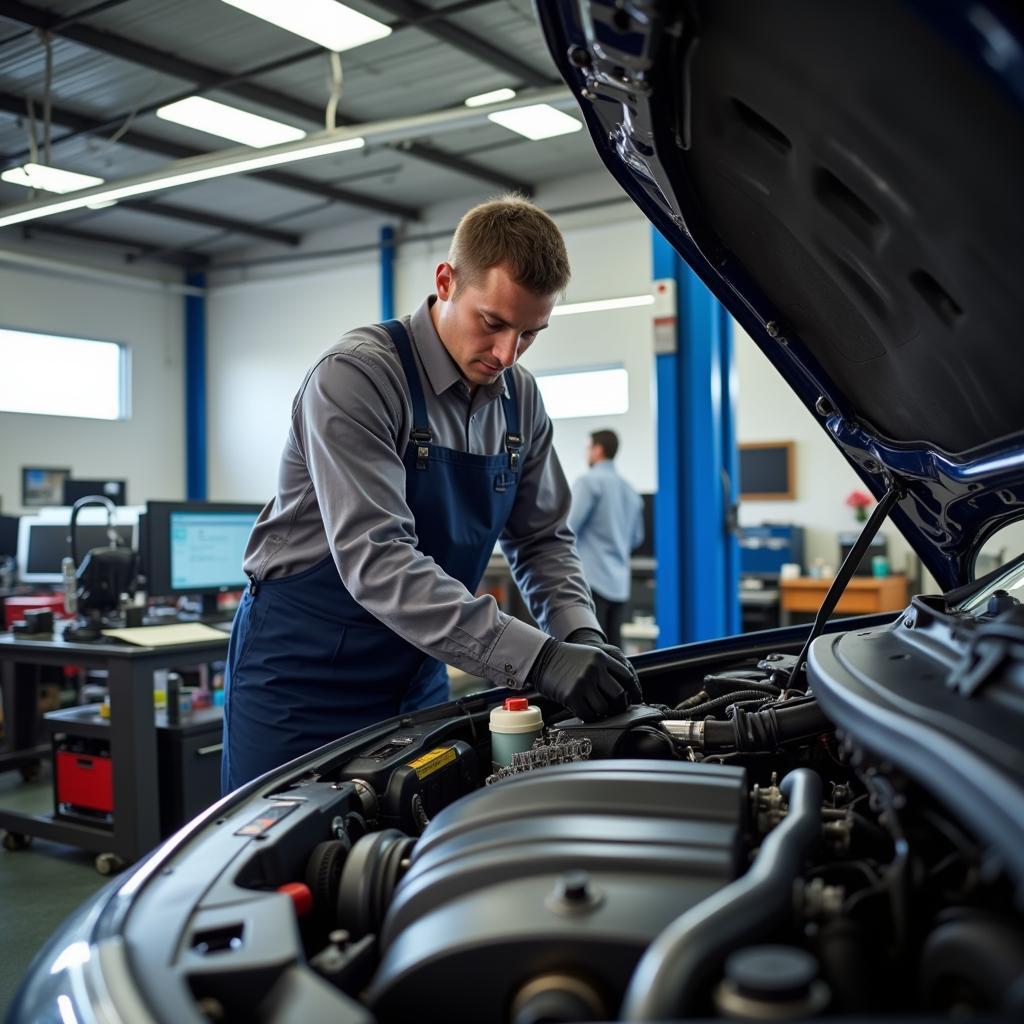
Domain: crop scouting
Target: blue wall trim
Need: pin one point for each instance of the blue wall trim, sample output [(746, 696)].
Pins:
[(387, 273), (696, 592), (195, 390)]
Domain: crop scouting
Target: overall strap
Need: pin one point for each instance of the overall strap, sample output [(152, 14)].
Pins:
[(420, 434), (513, 435)]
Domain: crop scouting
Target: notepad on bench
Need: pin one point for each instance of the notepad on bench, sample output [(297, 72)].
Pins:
[(164, 636)]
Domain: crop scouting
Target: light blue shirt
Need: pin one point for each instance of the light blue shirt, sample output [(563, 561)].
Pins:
[(607, 517)]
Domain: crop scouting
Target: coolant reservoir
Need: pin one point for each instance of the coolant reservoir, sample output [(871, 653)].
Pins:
[(514, 727)]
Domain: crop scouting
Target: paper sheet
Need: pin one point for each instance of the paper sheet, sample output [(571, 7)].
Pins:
[(164, 636)]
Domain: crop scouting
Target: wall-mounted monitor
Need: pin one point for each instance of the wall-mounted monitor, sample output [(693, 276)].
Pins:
[(196, 547), (768, 471), (74, 489)]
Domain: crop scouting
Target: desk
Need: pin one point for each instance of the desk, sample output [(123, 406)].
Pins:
[(136, 828), (863, 595)]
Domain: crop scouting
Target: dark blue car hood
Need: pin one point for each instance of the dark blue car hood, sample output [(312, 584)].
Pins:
[(847, 179)]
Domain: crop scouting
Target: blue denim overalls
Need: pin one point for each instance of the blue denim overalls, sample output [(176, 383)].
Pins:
[(306, 663)]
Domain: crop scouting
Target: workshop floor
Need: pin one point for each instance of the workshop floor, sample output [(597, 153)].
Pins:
[(39, 886)]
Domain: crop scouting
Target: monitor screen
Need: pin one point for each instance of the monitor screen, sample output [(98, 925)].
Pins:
[(196, 547), (207, 549), (112, 489), (43, 544)]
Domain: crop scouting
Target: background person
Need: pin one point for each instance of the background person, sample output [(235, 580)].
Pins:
[(608, 519)]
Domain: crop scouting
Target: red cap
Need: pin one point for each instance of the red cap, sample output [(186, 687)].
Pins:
[(301, 897), (516, 704)]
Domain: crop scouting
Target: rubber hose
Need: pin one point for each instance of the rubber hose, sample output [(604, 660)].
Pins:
[(681, 961), (710, 706)]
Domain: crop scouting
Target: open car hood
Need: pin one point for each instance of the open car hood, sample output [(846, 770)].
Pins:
[(847, 180)]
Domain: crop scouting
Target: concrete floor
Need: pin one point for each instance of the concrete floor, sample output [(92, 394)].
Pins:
[(39, 886)]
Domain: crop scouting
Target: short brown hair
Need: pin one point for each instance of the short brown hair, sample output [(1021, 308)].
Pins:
[(510, 231), (607, 440)]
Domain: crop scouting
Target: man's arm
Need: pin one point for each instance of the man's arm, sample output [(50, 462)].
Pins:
[(584, 498), (538, 543), (347, 419)]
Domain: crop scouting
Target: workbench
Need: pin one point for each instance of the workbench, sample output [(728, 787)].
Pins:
[(133, 747), (862, 596)]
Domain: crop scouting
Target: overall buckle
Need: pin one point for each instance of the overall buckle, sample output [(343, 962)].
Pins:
[(513, 445), (421, 438)]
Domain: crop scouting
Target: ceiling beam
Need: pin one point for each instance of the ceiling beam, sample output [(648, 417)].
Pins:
[(154, 144), (466, 41), (133, 250), (212, 220), (208, 78)]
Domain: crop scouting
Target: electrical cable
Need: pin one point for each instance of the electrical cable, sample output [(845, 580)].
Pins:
[(331, 114)]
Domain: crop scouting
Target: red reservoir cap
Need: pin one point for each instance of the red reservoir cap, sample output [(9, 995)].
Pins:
[(301, 897), (516, 704)]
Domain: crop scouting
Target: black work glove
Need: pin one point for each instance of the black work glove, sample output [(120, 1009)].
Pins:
[(586, 680), (594, 638)]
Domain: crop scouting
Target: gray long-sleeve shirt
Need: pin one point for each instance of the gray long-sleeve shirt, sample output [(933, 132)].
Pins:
[(341, 492)]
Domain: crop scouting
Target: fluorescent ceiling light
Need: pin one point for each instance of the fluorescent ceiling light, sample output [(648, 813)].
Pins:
[(229, 122), (326, 22), (240, 165), (626, 302), (539, 121), (49, 179), (102, 204), (495, 96)]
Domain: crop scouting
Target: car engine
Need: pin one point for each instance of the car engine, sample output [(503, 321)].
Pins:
[(762, 840)]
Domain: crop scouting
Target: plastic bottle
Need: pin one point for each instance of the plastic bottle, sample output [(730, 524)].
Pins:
[(514, 727)]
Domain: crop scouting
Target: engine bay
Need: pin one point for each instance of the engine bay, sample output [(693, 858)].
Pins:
[(745, 844)]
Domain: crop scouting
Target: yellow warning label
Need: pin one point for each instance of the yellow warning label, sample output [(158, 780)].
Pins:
[(432, 760)]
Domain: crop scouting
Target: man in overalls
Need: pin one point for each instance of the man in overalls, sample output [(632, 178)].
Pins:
[(414, 447)]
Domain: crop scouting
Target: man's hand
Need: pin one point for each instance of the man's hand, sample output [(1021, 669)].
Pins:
[(592, 638), (588, 681)]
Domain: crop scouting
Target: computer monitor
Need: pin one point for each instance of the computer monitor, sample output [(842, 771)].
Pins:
[(196, 547), (115, 490), (8, 536), (646, 548), (43, 540)]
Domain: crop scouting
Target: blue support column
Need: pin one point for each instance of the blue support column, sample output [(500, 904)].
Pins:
[(195, 390), (696, 583), (387, 272)]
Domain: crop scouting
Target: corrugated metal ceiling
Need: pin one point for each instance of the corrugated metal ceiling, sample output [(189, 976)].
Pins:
[(104, 75)]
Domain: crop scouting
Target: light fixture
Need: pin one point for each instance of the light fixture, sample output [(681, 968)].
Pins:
[(49, 179), (229, 122), (573, 394), (331, 24), (538, 121), (241, 160), (495, 96), (600, 305), (237, 164)]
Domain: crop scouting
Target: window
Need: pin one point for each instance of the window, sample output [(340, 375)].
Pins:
[(50, 375), (570, 394)]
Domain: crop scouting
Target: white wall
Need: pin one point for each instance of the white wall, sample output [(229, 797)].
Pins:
[(262, 338), (770, 411), (148, 448)]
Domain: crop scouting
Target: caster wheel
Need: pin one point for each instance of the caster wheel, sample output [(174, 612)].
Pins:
[(32, 771), (15, 841), (109, 863)]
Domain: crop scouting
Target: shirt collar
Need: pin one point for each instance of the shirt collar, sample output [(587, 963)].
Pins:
[(605, 465), (442, 371)]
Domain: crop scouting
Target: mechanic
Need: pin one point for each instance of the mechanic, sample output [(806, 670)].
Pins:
[(414, 446), (608, 519)]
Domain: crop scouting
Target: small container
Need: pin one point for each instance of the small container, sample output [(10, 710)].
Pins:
[(879, 565), (514, 727)]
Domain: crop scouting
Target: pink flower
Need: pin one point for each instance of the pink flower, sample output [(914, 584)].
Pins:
[(859, 499)]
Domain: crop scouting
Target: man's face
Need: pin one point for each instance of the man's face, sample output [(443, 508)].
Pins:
[(488, 324), (595, 453)]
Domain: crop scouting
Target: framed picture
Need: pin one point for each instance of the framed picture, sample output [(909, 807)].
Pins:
[(42, 486), (767, 471)]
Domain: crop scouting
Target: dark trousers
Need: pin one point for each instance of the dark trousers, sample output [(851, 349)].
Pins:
[(609, 615)]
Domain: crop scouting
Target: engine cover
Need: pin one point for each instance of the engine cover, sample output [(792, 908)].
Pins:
[(570, 870)]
